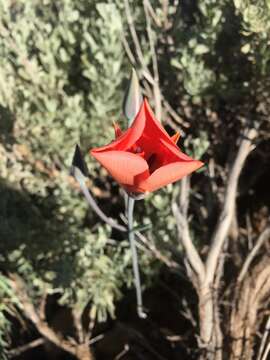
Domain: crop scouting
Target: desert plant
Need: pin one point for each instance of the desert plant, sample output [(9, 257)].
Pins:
[(204, 66)]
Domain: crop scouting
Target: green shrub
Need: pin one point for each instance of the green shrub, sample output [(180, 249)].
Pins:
[(61, 82)]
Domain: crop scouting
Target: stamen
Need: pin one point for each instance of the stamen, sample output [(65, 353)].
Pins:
[(135, 149), (138, 149)]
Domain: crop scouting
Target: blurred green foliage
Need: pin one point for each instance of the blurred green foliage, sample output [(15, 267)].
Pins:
[(62, 78), (255, 14), (60, 83), (8, 301)]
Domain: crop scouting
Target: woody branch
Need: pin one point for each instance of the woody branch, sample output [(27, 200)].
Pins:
[(203, 275), (227, 213), (80, 350), (206, 297), (181, 212)]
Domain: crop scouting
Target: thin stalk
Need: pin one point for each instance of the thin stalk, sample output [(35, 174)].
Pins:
[(131, 237)]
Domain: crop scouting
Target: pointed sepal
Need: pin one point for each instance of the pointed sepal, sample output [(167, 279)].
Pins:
[(117, 130), (175, 137)]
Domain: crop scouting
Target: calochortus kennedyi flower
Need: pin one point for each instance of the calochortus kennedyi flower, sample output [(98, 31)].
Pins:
[(145, 158)]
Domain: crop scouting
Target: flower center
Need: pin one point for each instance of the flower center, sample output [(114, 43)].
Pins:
[(135, 149), (153, 162)]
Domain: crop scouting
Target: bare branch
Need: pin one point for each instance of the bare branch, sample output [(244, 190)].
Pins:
[(267, 350), (128, 49), (156, 90), (122, 353), (42, 307), (93, 204), (96, 339), (184, 196), (264, 339), (248, 299), (136, 42), (262, 238), (177, 118), (165, 10), (80, 351), (149, 245), (181, 214), (92, 322), (21, 349), (30, 312), (77, 319), (191, 251), (158, 255), (153, 14), (226, 216), (152, 79)]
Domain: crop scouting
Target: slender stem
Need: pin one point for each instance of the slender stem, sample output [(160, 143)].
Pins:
[(91, 201), (131, 237)]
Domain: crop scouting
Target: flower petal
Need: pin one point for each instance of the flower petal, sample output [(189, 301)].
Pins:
[(129, 137), (168, 174), (154, 127), (175, 151), (153, 123), (124, 167), (154, 136)]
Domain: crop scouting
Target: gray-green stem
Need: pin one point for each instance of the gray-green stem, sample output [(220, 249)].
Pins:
[(131, 237)]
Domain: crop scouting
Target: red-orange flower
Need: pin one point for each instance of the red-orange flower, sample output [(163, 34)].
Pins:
[(144, 158)]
